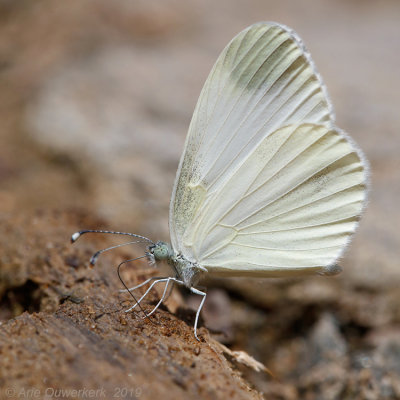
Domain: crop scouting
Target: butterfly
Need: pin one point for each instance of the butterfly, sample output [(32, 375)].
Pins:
[(267, 185)]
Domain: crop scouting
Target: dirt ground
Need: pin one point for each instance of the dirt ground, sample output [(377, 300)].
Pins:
[(95, 102)]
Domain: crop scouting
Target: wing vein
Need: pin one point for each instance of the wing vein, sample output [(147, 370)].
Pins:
[(284, 248), (296, 228), (295, 187), (302, 206)]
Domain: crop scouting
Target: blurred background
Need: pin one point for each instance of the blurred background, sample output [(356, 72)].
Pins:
[(95, 101)]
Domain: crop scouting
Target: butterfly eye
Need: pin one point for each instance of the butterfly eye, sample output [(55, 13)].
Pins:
[(161, 251)]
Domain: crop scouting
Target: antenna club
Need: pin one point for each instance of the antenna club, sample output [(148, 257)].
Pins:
[(75, 236), (93, 261)]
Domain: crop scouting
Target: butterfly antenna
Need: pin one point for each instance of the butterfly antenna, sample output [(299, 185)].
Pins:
[(126, 287), (95, 256), (77, 235)]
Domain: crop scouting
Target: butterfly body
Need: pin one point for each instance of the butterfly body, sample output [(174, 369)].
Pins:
[(188, 272)]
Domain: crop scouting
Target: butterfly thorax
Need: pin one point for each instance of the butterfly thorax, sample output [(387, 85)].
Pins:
[(187, 271)]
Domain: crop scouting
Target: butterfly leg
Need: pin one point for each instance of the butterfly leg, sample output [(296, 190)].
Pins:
[(170, 290), (204, 294), (146, 292), (162, 297), (193, 290), (141, 284)]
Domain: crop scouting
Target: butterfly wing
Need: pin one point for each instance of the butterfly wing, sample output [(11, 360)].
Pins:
[(263, 80), (290, 207)]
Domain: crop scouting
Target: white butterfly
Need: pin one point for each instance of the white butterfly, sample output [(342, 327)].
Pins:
[(267, 184)]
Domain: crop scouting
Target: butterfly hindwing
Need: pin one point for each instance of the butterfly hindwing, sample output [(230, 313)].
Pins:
[(292, 205)]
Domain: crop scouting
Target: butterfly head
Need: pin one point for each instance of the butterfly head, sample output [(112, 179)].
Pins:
[(161, 251)]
